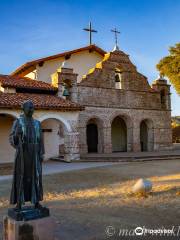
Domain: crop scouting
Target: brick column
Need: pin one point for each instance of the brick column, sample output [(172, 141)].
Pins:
[(136, 146), (83, 142), (129, 139), (69, 78), (107, 141), (71, 146)]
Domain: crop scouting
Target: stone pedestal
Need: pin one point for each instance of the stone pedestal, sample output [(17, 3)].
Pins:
[(38, 229)]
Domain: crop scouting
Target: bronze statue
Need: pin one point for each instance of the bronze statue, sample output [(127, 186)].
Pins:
[(26, 137)]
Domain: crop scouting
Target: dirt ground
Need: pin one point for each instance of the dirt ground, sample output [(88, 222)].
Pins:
[(6, 170), (85, 202)]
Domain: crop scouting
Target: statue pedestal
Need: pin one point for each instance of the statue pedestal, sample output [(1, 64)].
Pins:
[(28, 225), (38, 229)]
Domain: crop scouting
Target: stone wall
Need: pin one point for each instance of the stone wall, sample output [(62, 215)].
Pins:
[(159, 125), (103, 74), (98, 87), (133, 99), (134, 102), (119, 98)]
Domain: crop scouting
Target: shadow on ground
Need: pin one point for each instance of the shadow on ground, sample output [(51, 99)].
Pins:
[(85, 202)]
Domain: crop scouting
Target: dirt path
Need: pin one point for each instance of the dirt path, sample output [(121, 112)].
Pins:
[(85, 202)]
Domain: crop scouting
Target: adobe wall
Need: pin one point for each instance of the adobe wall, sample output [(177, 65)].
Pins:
[(119, 98)]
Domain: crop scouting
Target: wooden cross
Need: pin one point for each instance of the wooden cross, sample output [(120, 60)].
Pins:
[(116, 32), (90, 30)]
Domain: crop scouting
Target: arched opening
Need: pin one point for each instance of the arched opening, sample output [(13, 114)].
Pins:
[(53, 131), (119, 135), (92, 137), (146, 135), (6, 150), (163, 98), (118, 80)]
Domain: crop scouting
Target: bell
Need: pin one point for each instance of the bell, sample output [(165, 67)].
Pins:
[(117, 78), (66, 92)]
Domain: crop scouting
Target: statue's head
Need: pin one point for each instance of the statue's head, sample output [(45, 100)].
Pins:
[(28, 108)]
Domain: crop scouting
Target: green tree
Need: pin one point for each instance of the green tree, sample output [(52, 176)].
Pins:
[(170, 66)]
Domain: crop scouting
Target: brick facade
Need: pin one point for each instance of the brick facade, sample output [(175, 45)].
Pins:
[(113, 89)]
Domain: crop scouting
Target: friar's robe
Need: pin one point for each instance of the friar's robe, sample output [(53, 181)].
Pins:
[(27, 183)]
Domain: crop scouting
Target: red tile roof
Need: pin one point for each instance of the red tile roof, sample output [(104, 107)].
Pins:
[(24, 82), (41, 101), (30, 66)]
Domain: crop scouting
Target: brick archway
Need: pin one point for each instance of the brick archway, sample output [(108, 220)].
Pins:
[(146, 135), (64, 138), (119, 135), (94, 135), (127, 125)]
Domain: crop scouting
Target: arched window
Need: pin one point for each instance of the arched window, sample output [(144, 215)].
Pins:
[(163, 97), (118, 83)]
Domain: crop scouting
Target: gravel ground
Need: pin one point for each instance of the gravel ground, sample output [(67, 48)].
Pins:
[(84, 202)]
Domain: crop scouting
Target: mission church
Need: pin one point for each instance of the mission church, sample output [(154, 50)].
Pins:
[(88, 101)]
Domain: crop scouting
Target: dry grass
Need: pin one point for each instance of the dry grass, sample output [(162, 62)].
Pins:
[(85, 202)]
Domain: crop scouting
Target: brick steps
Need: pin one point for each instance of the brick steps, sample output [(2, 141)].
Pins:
[(58, 159), (121, 158), (129, 159)]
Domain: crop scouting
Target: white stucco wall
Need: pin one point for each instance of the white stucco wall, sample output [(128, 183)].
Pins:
[(32, 75), (52, 139), (81, 63), (55, 118), (6, 150)]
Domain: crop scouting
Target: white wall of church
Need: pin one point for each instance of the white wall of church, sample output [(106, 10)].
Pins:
[(52, 137), (32, 75), (52, 120), (81, 63), (6, 150)]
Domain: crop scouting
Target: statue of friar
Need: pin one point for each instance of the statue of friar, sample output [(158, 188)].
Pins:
[(26, 137)]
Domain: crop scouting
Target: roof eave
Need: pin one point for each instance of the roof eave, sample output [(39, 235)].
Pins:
[(62, 109), (30, 66)]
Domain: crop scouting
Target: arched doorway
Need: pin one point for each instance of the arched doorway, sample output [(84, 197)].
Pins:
[(7, 152), (92, 137), (53, 131), (119, 135), (146, 135)]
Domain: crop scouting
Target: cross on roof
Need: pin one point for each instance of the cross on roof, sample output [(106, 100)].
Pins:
[(116, 32), (90, 30)]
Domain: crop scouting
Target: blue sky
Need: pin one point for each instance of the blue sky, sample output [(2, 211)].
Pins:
[(33, 29)]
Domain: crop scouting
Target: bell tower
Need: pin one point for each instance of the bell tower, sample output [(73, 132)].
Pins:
[(160, 84), (66, 81)]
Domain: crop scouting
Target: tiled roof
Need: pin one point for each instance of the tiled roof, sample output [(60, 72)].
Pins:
[(24, 82), (41, 101), (30, 66)]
